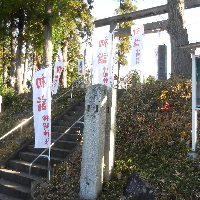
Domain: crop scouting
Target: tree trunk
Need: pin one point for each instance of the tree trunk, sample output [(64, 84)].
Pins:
[(25, 68), (19, 86), (34, 68), (4, 65), (12, 59), (34, 62), (48, 48), (64, 72), (180, 58)]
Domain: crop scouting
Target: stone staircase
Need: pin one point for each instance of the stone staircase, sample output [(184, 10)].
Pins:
[(15, 180)]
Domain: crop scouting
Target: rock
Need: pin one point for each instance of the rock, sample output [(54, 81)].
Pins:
[(19, 141), (71, 99), (138, 188)]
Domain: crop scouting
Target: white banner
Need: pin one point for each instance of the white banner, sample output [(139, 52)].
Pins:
[(81, 67), (102, 61), (42, 107), (59, 66), (137, 37)]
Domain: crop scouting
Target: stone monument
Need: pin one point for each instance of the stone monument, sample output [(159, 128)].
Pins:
[(98, 139), (162, 62)]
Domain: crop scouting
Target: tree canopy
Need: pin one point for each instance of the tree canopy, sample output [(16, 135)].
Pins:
[(22, 34), (124, 45)]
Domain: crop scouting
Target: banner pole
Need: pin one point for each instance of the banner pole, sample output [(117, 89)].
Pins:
[(49, 158)]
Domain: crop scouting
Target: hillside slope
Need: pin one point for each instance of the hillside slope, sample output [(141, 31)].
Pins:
[(153, 137)]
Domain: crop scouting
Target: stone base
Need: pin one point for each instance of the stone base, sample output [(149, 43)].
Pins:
[(193, 155)]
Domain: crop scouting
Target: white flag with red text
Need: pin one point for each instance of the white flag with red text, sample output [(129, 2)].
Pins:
[(42, 107), (81, 67), (58, 68), (137, 32), (103, 61)]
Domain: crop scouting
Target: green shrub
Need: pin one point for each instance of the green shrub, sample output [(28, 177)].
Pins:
[(154, 130), (6, 92)]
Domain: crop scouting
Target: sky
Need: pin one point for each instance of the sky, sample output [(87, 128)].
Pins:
[(106, 8)]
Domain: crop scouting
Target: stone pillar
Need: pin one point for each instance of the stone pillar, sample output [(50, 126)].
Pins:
[(93, 141), (162, 62), (109, 149)]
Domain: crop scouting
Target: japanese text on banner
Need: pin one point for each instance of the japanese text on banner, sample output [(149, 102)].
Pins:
[(42, 107), (58, 68), (81, 69), (103, 65), (137, 37)]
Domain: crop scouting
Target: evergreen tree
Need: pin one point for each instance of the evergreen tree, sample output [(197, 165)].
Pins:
[(39, 27), (124, 45)]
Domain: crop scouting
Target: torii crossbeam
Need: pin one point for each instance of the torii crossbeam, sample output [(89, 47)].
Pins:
[(148, 28)]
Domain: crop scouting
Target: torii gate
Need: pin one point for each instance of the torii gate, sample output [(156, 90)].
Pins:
[(152, 28), (149, 27), (178, 58)]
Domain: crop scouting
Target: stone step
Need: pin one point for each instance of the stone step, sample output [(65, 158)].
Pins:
[(7, 197), (71, 117), (63, 144), (76, 113), (36, 169), (30, 156), (68, 136), (79, 108), (57, 152), (69, 123), (19, 177), (15, 189), (63, 129), (16, 181), (82, 103)]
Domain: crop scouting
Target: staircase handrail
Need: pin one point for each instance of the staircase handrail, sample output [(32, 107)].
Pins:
[(27, 120), (41, 154), (15, 128)]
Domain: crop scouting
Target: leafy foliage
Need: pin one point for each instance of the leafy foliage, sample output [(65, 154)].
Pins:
[(154, 135), (5, 91), (71, 22), (152, 139), (62, 186), (150, 79), (124, 45)]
